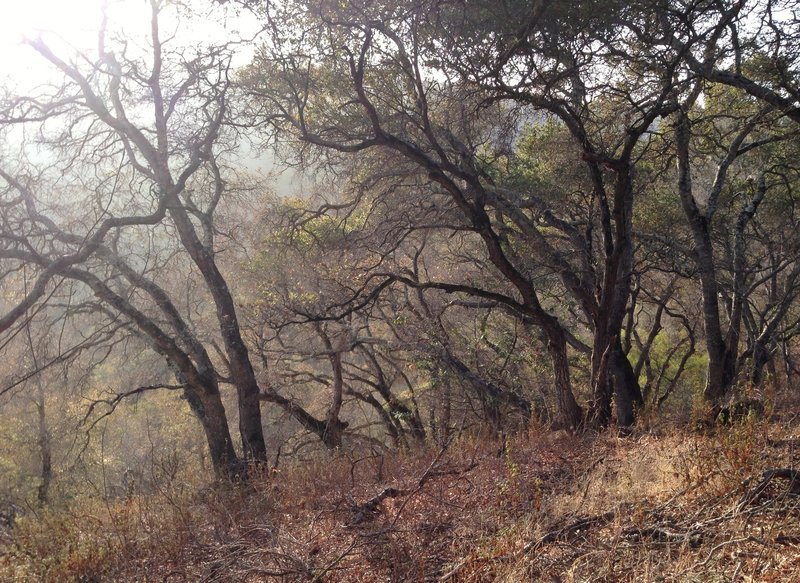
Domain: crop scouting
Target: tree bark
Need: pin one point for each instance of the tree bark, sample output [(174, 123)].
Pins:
[(490, 395), (202, 390), (45, 449), (720, 373), (209, 410), (241, 369), (627, 394), (602, 392), (332, 437), (569, 414), (316, 426)]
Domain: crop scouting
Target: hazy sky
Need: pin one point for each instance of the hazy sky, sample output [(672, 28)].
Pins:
[(74, 21), (74, 24), (77, 22)]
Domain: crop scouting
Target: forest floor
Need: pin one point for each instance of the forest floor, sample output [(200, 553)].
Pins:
[(659, 505)]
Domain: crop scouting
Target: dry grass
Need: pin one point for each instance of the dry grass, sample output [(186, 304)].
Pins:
[(546, 507)]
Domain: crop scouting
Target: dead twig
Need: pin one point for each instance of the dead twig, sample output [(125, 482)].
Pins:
[(570, 530), (363, 512), (767, 477)]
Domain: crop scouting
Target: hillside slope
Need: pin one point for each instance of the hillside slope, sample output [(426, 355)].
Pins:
[(541, 507)]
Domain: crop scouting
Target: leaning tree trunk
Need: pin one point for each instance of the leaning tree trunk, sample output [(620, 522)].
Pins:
[(489, 394), (200, 386), (206, 404), (322, 428), (220, 445), (241, 369), (569, 414)]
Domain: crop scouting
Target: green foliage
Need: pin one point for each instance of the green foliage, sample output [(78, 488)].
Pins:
[(692, 378), (543, 161)]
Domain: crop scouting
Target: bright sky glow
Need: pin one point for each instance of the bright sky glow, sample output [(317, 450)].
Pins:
[(77, 22), (71, 26), (68, 18)]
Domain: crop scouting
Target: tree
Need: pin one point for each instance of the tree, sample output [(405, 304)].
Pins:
[(129, 175), (747, 45), (737, 136), (749, 48), (365, 79)]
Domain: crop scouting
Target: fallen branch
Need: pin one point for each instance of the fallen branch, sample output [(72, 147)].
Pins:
[(454, 571), (756, 493), (572, 529), (664, 534), (365, 511)]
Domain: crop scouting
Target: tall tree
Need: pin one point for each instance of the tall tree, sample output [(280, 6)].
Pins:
[(446, 88), (735, 139), (131, 153)]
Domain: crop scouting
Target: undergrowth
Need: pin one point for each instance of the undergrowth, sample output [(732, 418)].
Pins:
[(669, 506)]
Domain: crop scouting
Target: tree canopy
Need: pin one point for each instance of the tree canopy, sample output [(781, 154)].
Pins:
[(504, 213)]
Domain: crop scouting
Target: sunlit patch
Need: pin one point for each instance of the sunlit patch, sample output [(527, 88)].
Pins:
[(77, 23), (68, 19), (74, 22)]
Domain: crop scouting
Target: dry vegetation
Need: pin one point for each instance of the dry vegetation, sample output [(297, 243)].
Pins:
[(656, 506), (578, 214)]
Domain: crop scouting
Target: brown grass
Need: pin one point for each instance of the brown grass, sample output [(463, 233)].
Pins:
[(546, 507)]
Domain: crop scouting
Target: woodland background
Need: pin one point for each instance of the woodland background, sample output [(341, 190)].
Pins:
[(494, 220)]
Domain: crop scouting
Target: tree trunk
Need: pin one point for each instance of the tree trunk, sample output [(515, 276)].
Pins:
[(446, 417), (600, 406), (490, 395), (720, 373), (773, 373), (332, 437), (209, 410), (45, 449), (761, 357), (318, 427), (613, 380), (393, 425), (612, 373), (399, 413), (721, 365), (201, 388), (241, 369), (627, 393), (220, 444), (569, 414)]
